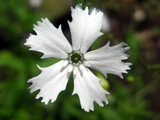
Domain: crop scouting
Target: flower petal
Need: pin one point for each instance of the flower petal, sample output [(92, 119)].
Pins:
[(51, 81), (88, 88), (49, 40), (109, 59), (85, 28)]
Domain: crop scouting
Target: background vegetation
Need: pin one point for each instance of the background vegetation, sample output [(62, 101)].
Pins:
[(136, 97)]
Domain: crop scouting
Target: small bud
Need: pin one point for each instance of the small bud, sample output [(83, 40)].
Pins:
[(104, 83)]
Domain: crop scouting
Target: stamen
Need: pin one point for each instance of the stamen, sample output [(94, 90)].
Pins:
[(75, 58)]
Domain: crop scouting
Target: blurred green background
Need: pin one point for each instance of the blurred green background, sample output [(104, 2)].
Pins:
[(136, 97)]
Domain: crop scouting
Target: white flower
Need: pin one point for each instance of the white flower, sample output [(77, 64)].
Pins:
[(85, 28)]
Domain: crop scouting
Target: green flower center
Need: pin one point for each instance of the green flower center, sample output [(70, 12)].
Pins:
[(76, 58)]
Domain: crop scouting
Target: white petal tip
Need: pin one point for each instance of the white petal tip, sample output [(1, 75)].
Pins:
[(130, 64), (126, 48), (121, 77), (40, 68), (107, 102), (107, 93), (46, 103), (124, 44), (108, 43), (29, 81), (38, 96)]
